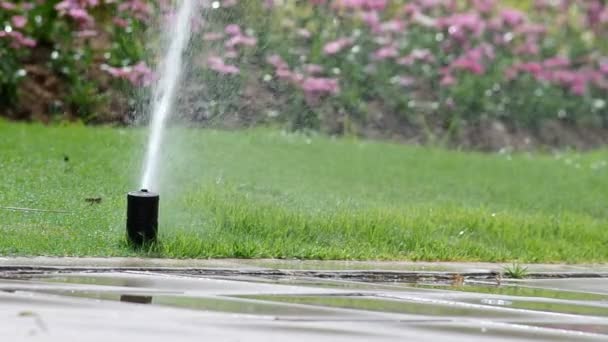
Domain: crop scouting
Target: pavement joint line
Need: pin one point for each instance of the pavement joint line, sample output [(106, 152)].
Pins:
[(363, 275)]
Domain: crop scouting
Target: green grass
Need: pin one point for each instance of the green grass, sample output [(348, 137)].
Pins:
[(262, 193)]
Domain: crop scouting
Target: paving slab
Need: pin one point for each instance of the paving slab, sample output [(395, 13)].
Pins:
[(51, 299)]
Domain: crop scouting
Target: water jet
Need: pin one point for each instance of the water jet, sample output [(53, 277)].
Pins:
[(142, 206), (142, 217)]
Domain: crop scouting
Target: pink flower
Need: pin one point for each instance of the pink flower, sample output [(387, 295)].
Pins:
[(86, 33), (284, 74), (241, 40), (139, 74), (392, 26), (304, 33), (473, 60), (9, 6), (320, 85), (461, 24), (361, 4), (277, 61), (372, 19), (469, 64), (313, 69), (429, 4), (120, 22), (336, 46), (18, 40), (556, 62), (447, 80), (139, 9), (534, 68), (531, 29), (386, 52), (233, 29), (411, 9), (512, 17), (484, 6), (604, 66), (530, 47), (423, 55), (579, 88), (19, 21), (229, 3), (217, 64)]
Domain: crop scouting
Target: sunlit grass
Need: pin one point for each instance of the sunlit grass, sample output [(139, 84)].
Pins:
[(264, 193)]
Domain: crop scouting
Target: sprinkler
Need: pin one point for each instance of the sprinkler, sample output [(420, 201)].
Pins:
[(142, 217)]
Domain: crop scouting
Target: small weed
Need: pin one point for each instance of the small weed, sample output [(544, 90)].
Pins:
[(516, 271)]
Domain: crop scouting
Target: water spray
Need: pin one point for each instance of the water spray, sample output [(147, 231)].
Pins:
[(142, 206), (142, 217)]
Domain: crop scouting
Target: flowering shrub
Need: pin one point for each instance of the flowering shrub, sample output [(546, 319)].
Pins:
[(434, 64), (341, 65), (58, 56)]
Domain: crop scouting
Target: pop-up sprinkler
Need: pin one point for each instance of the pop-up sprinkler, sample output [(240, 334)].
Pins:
[(142, 217)]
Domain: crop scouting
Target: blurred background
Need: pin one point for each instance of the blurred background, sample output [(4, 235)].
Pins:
[(478, 74)]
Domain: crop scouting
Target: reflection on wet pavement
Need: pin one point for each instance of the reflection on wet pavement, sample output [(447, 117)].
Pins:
[(130, 305)]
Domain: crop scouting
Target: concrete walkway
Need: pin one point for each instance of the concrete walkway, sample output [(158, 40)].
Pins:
[(65, 299)]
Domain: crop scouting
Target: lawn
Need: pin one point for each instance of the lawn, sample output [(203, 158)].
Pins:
[(265, 193)]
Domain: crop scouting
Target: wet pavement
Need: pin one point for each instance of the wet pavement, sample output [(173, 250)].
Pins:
[(46, 299)]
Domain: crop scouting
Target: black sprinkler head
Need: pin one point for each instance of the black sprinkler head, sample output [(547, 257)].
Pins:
[(142, 217)]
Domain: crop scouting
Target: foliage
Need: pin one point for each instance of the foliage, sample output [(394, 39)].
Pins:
[(64, 52), (425, 62), (339, 65)]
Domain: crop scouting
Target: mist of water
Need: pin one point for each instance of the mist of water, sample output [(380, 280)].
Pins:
[(177, 33)]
